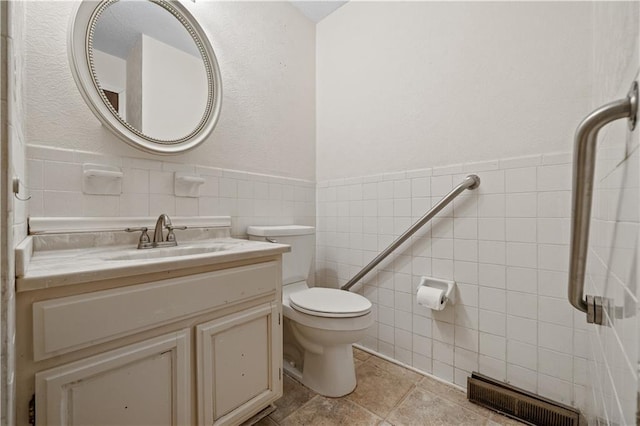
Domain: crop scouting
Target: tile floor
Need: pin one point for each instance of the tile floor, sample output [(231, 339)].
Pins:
[(387, 394)]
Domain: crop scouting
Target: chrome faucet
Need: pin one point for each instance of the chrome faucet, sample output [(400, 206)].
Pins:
[(158, 239)]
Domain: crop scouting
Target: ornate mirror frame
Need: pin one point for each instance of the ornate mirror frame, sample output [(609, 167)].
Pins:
[(81, 32)]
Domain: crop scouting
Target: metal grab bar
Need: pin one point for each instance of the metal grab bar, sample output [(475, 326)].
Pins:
[(584, 160), (470, 182)]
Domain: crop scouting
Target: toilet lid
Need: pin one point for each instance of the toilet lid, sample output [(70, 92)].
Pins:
[(329, 302)]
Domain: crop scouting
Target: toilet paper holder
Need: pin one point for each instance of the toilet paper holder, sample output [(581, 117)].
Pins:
[(449, 287)]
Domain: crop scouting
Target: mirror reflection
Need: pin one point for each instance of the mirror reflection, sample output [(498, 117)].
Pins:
[(149, 69)]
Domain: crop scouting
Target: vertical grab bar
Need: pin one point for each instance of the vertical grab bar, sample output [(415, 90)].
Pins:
[(584, 160)]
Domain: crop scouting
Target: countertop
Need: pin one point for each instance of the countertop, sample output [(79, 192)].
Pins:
[(40, 269)]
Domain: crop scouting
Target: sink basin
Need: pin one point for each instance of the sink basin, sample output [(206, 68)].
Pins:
[(156, 253)]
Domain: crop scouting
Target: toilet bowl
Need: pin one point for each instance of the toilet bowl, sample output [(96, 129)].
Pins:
[(326, 338), (320, 324)]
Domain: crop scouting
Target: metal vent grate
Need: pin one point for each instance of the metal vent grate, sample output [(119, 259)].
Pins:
[(519, 404)]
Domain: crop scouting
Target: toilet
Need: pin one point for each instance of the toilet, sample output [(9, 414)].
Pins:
[(320, 324)]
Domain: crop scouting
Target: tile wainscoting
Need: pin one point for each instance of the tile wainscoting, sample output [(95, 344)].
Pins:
[(55, 179), (506, 246)]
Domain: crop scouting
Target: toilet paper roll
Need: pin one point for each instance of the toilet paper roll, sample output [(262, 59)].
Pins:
[(433, 298)]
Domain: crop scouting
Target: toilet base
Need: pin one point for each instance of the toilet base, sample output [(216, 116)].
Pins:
[(331, 373)]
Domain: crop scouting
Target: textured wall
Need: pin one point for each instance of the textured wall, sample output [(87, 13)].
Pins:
[(409, 85), (266, 52), (613, 255), (13, 161)]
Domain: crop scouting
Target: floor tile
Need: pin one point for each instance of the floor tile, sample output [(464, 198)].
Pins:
[(294, 396), (379, 389), (266, 421), (394, 369), (322, 411), (452, 394), (361, 355), (499, 419), (424, 408)]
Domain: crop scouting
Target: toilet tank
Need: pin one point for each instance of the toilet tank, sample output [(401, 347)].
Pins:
[(296, 265)]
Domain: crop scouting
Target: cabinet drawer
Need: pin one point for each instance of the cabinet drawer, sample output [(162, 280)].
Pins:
[(71, 323)]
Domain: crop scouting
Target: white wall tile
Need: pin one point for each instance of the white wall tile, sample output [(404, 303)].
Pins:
[(100, 205), (520, 179), (553, 230), (522, 254), (553, 257), (493, 299), (465, 360), (491, 205), (59, 203), (555, 337), (522, 279), (441, 185), (552, 283), (521, 230), (556, 389), (466, 250), (465, 272), (505, 245), (466, 338), (554, 310), (443, 371), (492, 322), (465, 228), (35, 174), (522, 304), (522, 204), (492, 229), (554, 178), (555, 364), (493, 252), (493, 346), (522, 354), (522, 329), (492, 275), (443, 332), (554, 204), (522, 377), (135, 181), (492, 182), (492, 367), (62, 176), (420, 187), (161, 182)]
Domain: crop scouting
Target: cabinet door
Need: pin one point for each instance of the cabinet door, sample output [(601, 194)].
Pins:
[(239, 368), (144, 383)]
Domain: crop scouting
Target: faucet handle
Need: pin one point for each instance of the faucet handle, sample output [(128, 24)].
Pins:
[(171, 237), (144, 241)]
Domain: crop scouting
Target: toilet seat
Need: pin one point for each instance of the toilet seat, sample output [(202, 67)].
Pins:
[(329, 303)]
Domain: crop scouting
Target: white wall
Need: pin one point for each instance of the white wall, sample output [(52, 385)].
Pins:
[(14, 228), (134, 85), (613, 257), (112, 75), (409, 85), (411, 98), (174, 90), (266, 52)]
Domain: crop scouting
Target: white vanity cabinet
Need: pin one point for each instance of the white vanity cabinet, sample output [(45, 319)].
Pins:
[(202, 348), (144, 383), (239, 367)]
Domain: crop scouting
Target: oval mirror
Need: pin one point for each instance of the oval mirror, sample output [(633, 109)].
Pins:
[(147, 71)]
